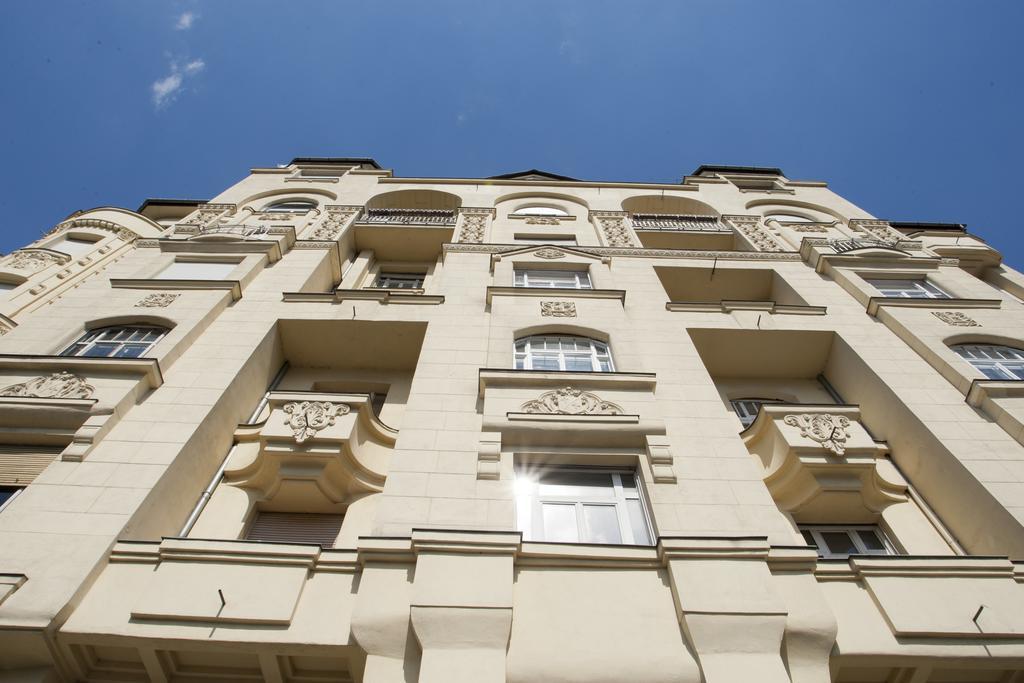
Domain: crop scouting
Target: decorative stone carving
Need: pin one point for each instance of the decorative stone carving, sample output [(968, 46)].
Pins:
[(542, 220), (306, 418), (808, 228), (147, 244), (956, 319), (157, 300), (58, 385), (33, 259), (121, 231), (549, 253), (208, 213), (831, 431), (558, 309), (613, 227), (333, 223), (751, 228), (880, 230), (474, 225), (571, 401)]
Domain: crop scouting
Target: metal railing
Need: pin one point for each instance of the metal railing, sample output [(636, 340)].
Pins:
[(408, 217), (662, 221), (841, 246)]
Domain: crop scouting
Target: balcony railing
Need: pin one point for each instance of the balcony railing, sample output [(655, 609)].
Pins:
[(242, 231), (408, 217), (849, 245), (661, 221)]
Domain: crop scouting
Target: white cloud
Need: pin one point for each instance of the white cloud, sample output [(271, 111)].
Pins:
[(185, 21), (166, 89)]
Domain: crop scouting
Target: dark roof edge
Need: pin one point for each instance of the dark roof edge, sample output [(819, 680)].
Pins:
[(962, 227), (347, 161), (169, 202), (532, 171), (752, 170)]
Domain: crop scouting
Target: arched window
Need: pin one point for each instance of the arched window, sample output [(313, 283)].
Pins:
[(127, 341), (790, 218), (562, 352), (291, 206), (540, 211), (995, 362)]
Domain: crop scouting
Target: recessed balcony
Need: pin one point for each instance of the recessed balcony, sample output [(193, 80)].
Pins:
[(682, 231)]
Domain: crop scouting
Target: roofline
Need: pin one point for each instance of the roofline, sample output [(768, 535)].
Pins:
[(347, 161), (962, 227), (169, 202), (728, 170), (532, 171)]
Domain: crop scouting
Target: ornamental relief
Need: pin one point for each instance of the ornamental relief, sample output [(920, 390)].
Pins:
[(570, 401), (542, 220), (208, 213), (33, 260), (306, 418), (57, 385), (157, 300), (751, 228), (549, 253), (880, 230), (613, 227), (956, 319), (831, 431), (333, 224), (558, 309), (474, 225)]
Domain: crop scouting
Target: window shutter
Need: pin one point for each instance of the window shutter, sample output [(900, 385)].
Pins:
[(19, 467), (295, 527)]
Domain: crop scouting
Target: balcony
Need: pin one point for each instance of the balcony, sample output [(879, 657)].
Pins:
[(657, 221), (439, 217), (843, 246), (682, 231)]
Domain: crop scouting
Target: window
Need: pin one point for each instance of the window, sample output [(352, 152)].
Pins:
[(789, 218), (569, 279), (579, 505), (72, 245), (295, 527), (7, 494), (540, 211), (564, 240), (840, 541), (746, 408), (995, 362), (196, 270), (116, 342), (578, 354), (294, 206), (909, 289), (400, 281)]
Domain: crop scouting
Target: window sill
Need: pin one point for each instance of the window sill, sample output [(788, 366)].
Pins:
[(876, 302), (496, 377), (234, 286), (224, 244), (726, 306), (383, 296), (564, 292)]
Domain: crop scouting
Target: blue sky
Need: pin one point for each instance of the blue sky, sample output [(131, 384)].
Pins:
[(911, 110)]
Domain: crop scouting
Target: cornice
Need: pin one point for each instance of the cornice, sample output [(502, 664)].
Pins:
[(536, 183), (637, 252), (505, 377), (727, 306), (383, 296), (876, 302), (557, 292), (233, 286), (147, 367)]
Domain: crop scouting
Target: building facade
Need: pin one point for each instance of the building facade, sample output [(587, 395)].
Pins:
[(337, 425)]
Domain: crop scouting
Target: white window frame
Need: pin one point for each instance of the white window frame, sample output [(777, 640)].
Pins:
[(541, 210), (790, 218), (746, 409), (815, 531), (530, 504), (526, 350), (907, 288), (141, 337), (283, 206), (992, 361), (536, 277), (399, 277)]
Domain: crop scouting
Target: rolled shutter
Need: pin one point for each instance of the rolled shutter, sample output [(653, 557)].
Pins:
[(20, 466), (295, 527)]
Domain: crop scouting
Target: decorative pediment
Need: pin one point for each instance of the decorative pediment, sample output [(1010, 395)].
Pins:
[(549, 252), (571, 401)]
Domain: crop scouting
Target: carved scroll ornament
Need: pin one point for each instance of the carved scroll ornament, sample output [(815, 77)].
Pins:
[(956, 319), (571, 401), (558, 309), (549, 253), (306, 418), (58, 385), (157, 300), (828, 430)]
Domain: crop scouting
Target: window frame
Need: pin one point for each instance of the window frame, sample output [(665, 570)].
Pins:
[(530, 504), (825, 553), (1004, 367), (737, 404), (599, 353), (541, 210), (923, 286), (521, 278), (275, 207), (97, 336)]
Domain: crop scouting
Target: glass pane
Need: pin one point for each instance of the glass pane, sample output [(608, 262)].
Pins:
[(545, 363), (992, 371), (871, 541), (131, 351), (809, 538), (838, 542), (101, 350), (638, 523), (602, 524), (560, 523), (579, 363), (577, 485), (628, 483)]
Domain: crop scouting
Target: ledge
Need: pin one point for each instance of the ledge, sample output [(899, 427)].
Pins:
[(234, 286), (148, 367), (567, 417), (209, 244), (638, 252), (876, 302), (561, 292), (384, 296), (727, 306), (496, 377)]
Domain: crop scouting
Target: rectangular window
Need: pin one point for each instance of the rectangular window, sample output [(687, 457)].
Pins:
[(909, 289), (564, 240), (835, 541), (581, 505), (568, 279), (400, 281), (196, 270), (295, 527)]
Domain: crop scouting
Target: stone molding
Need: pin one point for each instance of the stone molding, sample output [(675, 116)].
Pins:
[(336, 218), (33, 260), (473, 224), (753, 229), (558, 309), (157, 300), (61, 384), (638, 252), (119, 230), (613, 228), (571, 401)]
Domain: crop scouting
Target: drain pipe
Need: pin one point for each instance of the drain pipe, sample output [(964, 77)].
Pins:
[(204, 497)]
